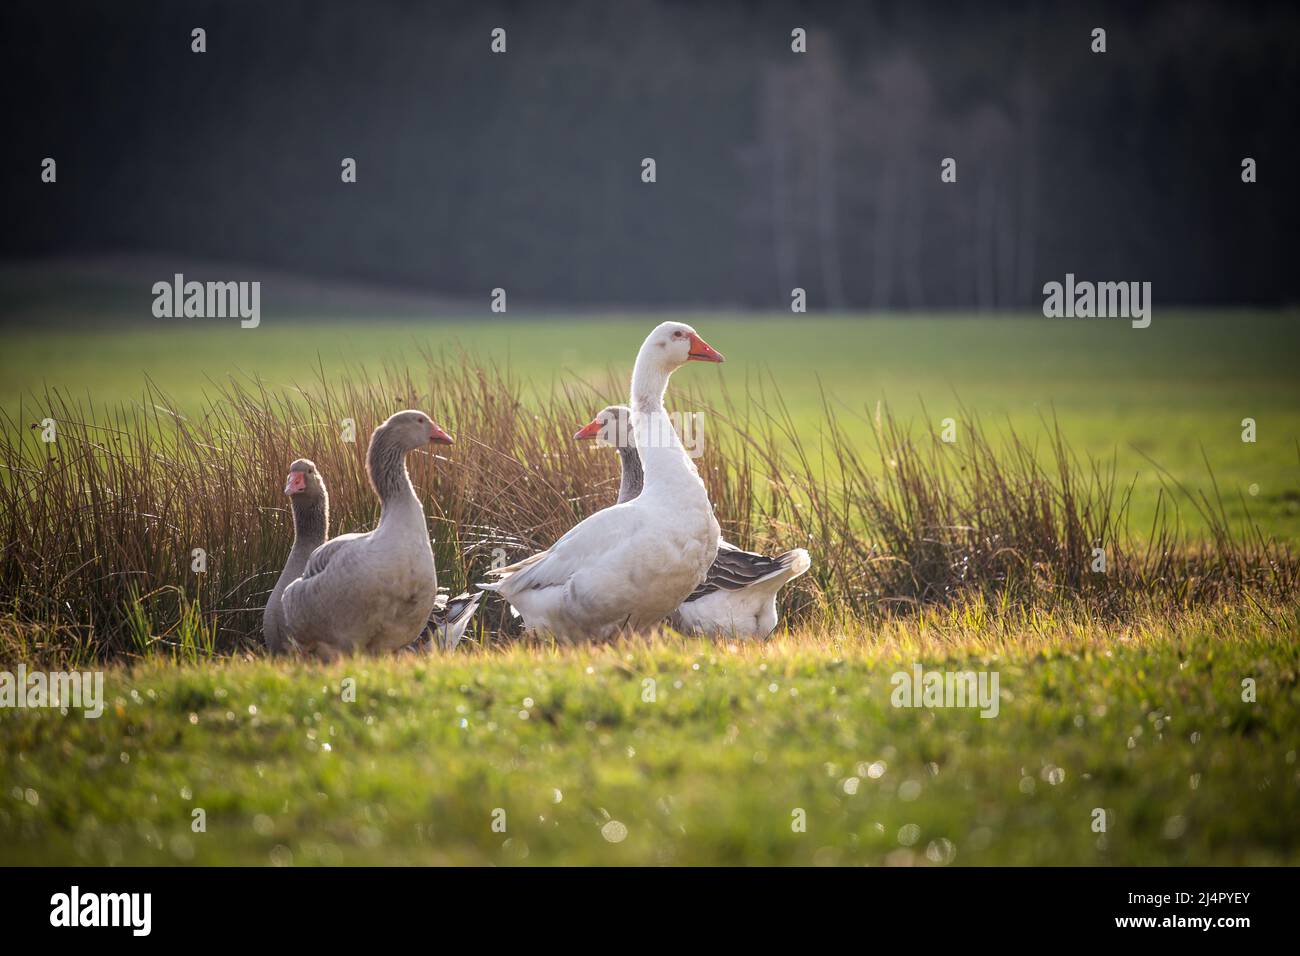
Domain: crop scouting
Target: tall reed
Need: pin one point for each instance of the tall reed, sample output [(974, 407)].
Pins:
[(99, 530)]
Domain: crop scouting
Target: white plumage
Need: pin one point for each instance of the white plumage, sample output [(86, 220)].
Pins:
[(628, 567), (738, 596)]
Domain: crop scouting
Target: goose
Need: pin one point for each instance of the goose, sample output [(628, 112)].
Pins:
[(628, 567), (309, 501), (372, 591), (310, 504), (450, 619), (738, 598)]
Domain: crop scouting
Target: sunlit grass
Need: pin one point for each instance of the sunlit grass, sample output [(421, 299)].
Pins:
[(706, 764)]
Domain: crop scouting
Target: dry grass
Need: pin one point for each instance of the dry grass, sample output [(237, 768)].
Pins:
[(98, 528)]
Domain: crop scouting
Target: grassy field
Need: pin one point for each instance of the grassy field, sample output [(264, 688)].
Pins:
[(1120, 692), (1175, 393), (1145, 722)]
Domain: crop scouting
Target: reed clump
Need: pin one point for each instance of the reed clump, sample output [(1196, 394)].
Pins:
[(142, 529)]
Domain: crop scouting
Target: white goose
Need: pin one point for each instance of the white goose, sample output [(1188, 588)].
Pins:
[(373, 591), (628, 567), (738, 598), (310, 504)]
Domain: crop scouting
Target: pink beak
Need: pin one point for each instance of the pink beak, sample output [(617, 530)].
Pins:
[(439, 437), (702, 351), (588, 431), (296, 482)]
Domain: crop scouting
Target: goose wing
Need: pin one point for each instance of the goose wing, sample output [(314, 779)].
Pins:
[(735, 570), (588, 543), (321, 557)]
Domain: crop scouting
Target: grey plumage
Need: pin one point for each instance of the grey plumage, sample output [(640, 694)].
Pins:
[(311, 519), (373, 591)]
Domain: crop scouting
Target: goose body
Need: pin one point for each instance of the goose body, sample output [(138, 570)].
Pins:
[(628, 567), (738, 595), (738, 598), (309, 503), (373, 591)]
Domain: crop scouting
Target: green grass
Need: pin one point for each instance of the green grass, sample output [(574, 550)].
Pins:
[(1176, 392), (1145, 722), (1141, 716)]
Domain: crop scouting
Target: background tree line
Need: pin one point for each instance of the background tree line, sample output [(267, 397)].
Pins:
[(775, 169)]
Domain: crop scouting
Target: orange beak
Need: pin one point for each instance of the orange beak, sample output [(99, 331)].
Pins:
[(439, 437), (295, 482), (702, 351), (588, 431)]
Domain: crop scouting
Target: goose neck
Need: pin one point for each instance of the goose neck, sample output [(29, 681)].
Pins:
[(386, 465), (631, 475), (649, 382), (311, 521)]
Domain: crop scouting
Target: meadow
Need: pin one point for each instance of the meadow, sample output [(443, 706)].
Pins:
[(1122, 692), (1167, 398), (784, 753)]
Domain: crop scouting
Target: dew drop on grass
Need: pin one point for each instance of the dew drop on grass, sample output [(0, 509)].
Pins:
[(941, 851), (614, 831)]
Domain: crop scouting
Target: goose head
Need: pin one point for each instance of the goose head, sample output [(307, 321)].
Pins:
[(672, 344), (612, 425), (304, 481), (412, 429)]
